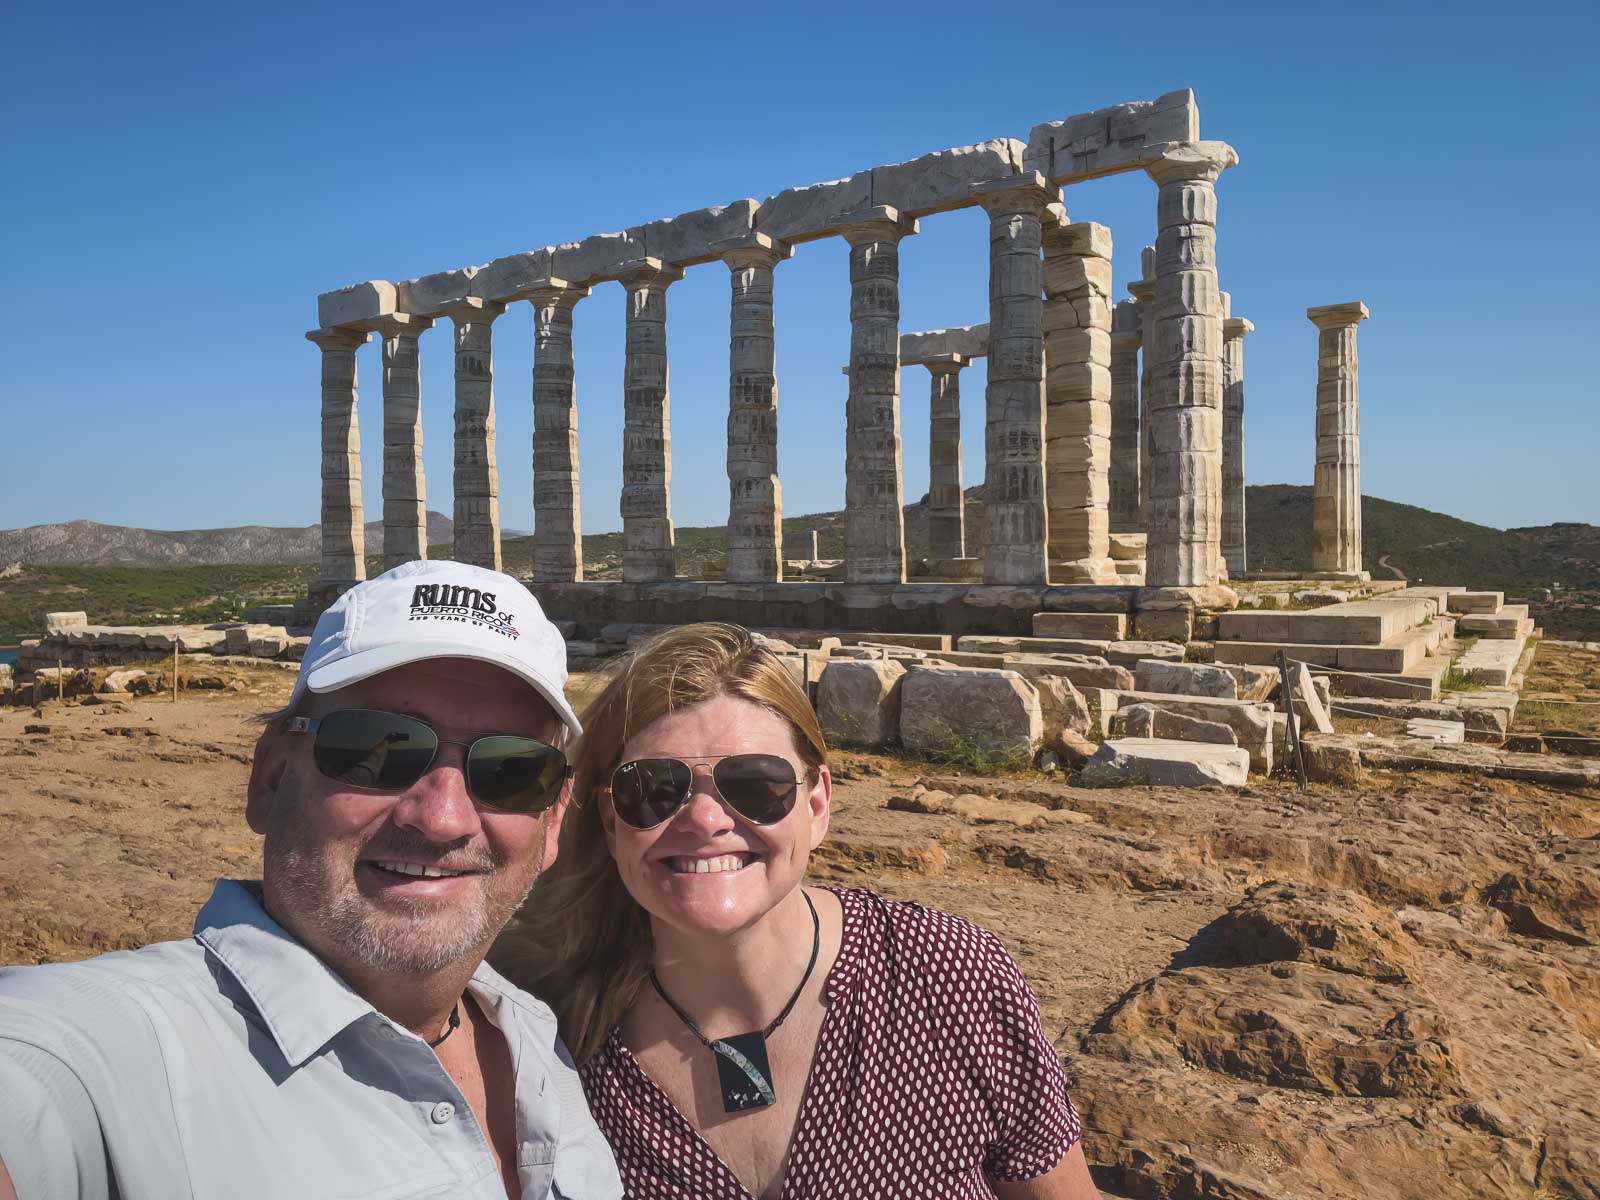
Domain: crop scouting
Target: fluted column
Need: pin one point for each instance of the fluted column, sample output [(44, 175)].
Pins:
[(1077, 388), (946, 507), (755, 497), (1014, 496), (343, 538), (1185, 543), (557, 524), (1234, 330), (1125, 439), (874, 528), (647, 535), (1336, 483), (477, 473), (1143, 292), (405, 496)]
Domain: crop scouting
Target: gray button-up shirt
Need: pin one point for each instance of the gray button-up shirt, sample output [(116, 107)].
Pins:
[(237, 1065)]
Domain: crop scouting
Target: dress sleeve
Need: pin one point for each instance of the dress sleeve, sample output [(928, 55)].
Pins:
[(50, 1137), (1034, 1120)]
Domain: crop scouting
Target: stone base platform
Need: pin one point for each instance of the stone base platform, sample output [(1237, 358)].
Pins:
[(954, 608)]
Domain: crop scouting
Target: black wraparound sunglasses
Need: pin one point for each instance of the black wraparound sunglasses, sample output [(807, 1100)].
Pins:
[(761, 788), (388, 752)]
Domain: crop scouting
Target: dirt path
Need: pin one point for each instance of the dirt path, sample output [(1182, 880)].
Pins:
[(1387, 989)]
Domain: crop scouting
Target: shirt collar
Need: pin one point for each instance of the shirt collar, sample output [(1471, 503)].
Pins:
[(302, 1003)]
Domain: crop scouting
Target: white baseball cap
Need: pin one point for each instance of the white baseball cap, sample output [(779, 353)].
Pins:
[(421, 610)]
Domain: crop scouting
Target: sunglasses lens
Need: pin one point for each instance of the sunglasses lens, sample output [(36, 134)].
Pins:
[(373, 749), (759, 787), (516, 774), (647, 791)]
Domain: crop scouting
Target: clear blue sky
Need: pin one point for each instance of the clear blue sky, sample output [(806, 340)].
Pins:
[(183, 179)]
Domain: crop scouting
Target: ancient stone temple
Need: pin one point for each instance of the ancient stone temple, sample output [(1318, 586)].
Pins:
[(1064, 412)]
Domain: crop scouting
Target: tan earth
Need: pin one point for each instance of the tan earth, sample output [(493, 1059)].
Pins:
[(1389, 989)]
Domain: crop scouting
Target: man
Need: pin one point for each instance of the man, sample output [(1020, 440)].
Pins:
[(333, 1030)]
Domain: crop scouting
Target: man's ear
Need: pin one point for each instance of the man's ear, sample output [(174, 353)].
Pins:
[(267, 766), (820, 801), (552, 825)]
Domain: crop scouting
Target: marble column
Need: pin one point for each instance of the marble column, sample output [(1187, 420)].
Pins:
[(874, 528), (1125, 439), (946, 506), (647, 535), (1234, 330), (1185, 418), (477, 474), (1143, 291), (1077, 387), (405, 496), (1336, 483), (557, 525), (1014, 500), (755, 497), (343, 537)]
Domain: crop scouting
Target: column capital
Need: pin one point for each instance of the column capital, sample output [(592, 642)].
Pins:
[(340, 337), (470, 310), (1142, 290), (752, 250), (1125, 321), (397, 324), (1237, 327), (879, 224), (647, 272), (946, 364), (1331, 316), (1025, 193), (1198, 161), (551, 290)]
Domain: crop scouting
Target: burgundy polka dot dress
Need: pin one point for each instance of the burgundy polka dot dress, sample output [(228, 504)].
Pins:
[(931, 1071)]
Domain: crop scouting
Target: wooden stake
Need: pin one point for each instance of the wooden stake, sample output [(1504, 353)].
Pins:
[(174, 670), (1286, 690), (61, 682)]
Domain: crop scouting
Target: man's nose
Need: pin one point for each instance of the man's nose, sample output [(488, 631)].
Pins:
[(438, 805)]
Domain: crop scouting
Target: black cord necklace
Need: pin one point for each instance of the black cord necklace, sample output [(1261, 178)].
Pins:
[(455, 1024), (742, 1065)]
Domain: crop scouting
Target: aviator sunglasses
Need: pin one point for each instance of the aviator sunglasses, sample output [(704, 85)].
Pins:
[(761, 788), (387, 752)]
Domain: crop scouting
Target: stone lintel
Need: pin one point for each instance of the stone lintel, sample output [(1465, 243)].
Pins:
[(1332, 316), (471, 309), (642, 272), (880, 223), (969, 341), (396, 324), (549, 288), (1237, 327), (1110, 140), (340, 338), (1177, 161), (1017, 192), (733, 250), (358, 302)]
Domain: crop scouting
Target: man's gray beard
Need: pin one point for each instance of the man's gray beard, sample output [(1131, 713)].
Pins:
[(378, 940)]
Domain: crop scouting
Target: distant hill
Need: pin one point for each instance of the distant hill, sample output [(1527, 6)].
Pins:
[(90, 543)]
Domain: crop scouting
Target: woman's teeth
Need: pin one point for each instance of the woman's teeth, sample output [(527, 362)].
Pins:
[(685, 865)]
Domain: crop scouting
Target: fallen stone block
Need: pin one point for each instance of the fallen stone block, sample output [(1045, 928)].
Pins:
[(136, 683), (272, 645), (1448, 733), (1250, 722), (56, 623), (1099, 626), (997, 712), (1166, 764), (1148, 721), (1175, 624), (1253, 683), (201, 641), (1185, 679), (1085, 671), (1308, 700), (858, 701), (1060, 703), (1476, 602)]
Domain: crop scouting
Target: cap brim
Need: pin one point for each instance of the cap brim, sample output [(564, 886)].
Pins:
[(367, 663)]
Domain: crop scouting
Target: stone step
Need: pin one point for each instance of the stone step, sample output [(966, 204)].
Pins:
[(1507, 623), (1122, 654), (1251, 721), (1358, 623), (1492, 661), (1420, 682), (1160, 762), (1098, 626), (1439, 595), (1397, 654), (1447, 733), (1477, 602)]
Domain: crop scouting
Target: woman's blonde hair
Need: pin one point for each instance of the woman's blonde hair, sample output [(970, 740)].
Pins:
[(581, 943)]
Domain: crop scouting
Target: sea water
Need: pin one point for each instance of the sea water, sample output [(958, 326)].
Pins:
[(8, 654)]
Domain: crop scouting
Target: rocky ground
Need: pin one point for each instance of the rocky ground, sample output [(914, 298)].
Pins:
[(1387, 988)]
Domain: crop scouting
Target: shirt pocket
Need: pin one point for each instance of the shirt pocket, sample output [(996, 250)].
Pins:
[(581, 1176)]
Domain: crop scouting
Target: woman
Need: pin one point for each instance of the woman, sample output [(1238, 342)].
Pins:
[(739, 1034)]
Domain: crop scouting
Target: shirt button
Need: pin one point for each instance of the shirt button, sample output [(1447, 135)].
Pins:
[(442, 1112)]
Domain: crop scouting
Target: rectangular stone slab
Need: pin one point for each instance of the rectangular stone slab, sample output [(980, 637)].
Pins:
[(1102, 626)]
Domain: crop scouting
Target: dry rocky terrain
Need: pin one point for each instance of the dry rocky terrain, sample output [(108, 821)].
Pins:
[(1389, 988)]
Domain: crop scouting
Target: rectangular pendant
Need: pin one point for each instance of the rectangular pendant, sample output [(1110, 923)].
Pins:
[(744, 1072)]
